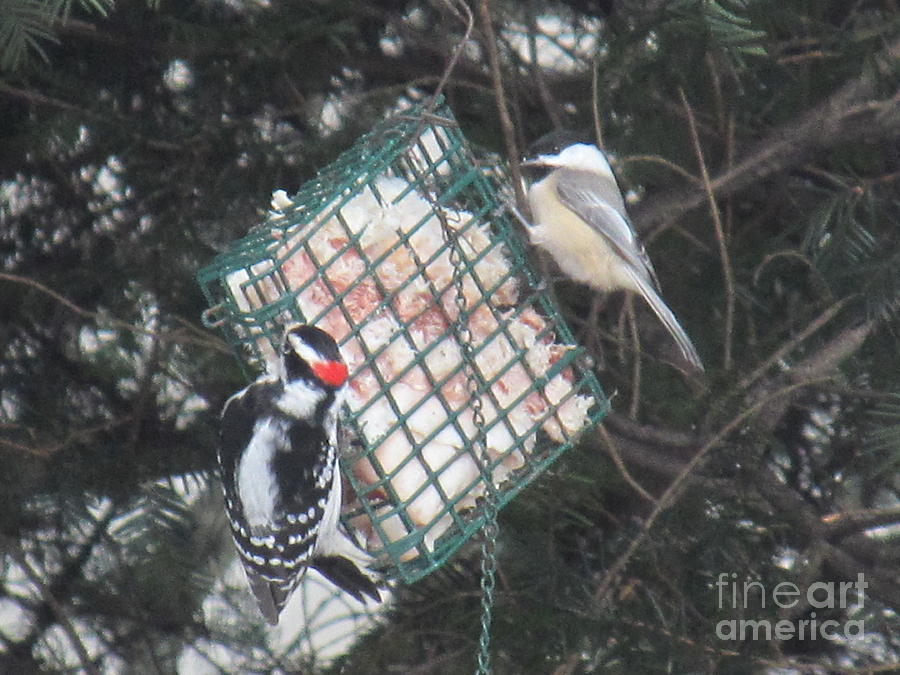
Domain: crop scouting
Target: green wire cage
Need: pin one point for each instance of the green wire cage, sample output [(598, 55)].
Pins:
[(465, 382)]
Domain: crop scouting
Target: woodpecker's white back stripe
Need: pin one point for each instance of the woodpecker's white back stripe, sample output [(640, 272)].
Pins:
[(332, 541), (256, 486)]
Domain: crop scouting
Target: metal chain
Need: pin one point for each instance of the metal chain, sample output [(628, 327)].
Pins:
[(490, 529), (490, 532)]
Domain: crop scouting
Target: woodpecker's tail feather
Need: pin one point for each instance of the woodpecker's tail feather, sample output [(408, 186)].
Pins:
[(665, 315), (342, 560), (345, 574), (271, 596)]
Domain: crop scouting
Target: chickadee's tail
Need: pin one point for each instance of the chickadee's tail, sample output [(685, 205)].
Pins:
[(664, 314)]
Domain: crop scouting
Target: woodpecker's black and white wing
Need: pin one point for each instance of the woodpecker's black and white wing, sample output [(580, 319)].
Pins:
[(274, 545), (279, 464), (597, 200)]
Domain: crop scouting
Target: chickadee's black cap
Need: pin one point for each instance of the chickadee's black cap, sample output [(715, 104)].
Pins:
[(553, 142)]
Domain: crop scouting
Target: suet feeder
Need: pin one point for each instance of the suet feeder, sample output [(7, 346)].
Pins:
[(465, 380)]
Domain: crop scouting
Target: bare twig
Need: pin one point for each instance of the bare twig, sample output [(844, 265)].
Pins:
[(506, 125), (717, 91), (201, 338), (550, 106), (724, 256), (144, 393), (591, 337), (620, 330), (636, 362), (613, 451), (791, 344), (670, 495), (465, 15), (730, 133), (757, 272), (650, 434), (73, 436), (48, 101), (684, 173), (595, 100), (25, 281), (841, 524)]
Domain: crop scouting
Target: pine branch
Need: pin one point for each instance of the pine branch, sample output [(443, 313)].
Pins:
[(818, 366), (766, 407), (847, 115), (613, 574), (188, 334), (808, 530), (848, 522), (60, 614)]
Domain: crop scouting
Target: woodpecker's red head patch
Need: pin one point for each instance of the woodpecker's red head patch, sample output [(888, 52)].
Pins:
[(332, 373)]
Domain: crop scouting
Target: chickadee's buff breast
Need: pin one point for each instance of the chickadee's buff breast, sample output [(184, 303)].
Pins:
[(581, 252)]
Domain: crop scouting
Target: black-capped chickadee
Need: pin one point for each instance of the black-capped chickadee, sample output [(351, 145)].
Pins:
[(579, 217)]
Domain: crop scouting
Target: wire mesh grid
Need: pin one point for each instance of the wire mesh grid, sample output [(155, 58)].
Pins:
[(392, 249)]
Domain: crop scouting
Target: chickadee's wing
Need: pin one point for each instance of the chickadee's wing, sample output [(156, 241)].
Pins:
[(598, 201)]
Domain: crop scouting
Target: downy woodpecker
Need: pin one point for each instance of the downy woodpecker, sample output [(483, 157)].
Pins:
[(579, 218), (278, 456)]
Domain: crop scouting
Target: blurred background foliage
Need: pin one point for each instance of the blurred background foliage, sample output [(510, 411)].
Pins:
[(140, 138)]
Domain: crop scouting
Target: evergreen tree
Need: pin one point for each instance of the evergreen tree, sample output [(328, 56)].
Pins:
[(760, 141)]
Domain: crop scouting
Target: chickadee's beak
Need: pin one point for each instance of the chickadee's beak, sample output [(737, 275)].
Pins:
[(534, 169)]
